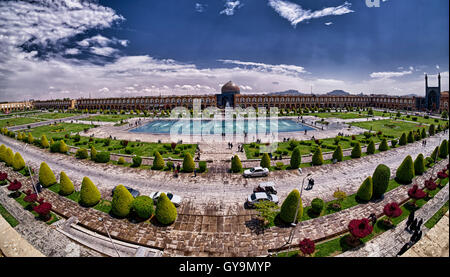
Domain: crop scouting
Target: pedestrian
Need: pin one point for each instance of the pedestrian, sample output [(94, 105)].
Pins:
[(419, 225), (195, 172), (413, 226), (178, 167), (410, 220)]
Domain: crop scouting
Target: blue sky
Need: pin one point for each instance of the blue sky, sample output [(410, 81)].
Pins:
[(72, 49)]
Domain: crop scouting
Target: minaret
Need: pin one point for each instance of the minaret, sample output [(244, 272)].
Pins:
[(439, 82), (426, 81)]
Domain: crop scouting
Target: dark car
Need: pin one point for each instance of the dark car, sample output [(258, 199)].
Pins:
[(134, 193)]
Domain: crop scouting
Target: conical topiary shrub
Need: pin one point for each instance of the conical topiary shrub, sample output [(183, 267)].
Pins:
[(89, 194), (265, 161), (431, 130), (188, 163), (93, 153), (165, 213), (143, 207), (2, 153), (236, 165), (402, 140), (419, 165), (158, 162), (122, 201), (63, 148), (380, 179), (424, 133), (356, 151), (405, 172), (289, 207), (296, 158), (410, 137), (338, 155), (317, 158), (18, 162), (30, 138), (46, 176), (65, 184), (443, 149), (9, 157), (371, 148), (383, 145), (365, 191), (44, 142), (435, 153)]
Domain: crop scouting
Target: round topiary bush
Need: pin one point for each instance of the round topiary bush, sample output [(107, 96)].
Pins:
[(296, 158), (65, 184), (236, 165), (89, 194), (55, 147), (82, 153), (384, 146), (46, 176), (188, 163), (121, 160), (443, 149), (265, 161), (337, 154), (402, 140), (202, 166), (18, 162), (289, 207), (158, 161), (143, 207), (137, 161), (317, 205), (380, 180), (419, 165), (356, 151), (371, 148), (365, 191), (165, 213), (122, 201), (405, 172), (317, 158)]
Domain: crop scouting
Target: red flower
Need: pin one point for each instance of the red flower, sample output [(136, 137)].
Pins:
[(15, 186), (3, 176), (392, 210), (360, 228), (30, 198), (41, 200), (43, 209), (307, 246), (430, 184), (416, 193), (442, 175)]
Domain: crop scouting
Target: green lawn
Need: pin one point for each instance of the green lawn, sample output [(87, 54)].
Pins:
[(111, 117), (54, 115), (341, 115), (58, 130), (437, 216), (423, 120), (8, 217), (389, 127), (17, 121)]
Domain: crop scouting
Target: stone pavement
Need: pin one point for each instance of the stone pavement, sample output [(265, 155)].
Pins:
[(434, 243)]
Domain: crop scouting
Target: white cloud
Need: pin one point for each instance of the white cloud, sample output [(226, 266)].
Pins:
[(388, 75), (72, 51), (103, 51), (105, 89), (231, 6), (329, 23), (295, 14), (200, 7), (281, 68)]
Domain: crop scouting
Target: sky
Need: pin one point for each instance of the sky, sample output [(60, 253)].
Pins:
[(53, 49)]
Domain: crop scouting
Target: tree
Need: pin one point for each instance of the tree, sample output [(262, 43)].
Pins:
[(236, 165), (416, 194), (89, 194), (392, 210), (383, 145), (431, 130), (317, 158), (365, 191), (63, 147), (419, 165), (2, 153), (44, 142), (265, 161), (380, 179), (359, 229), (143, 206), (356, 151), (122, 201), (289, 207), (402, 140), (371, 147), (443, 149), (46, 176), (158, 161), (166, 213), (9, 157), (188, 163), (18, 162), (66, 186), (405, 172), (30, 138), (435, 153), (296, 158), (424, 133), (337, 154), (410, 137), (93, 153), (137, 161)]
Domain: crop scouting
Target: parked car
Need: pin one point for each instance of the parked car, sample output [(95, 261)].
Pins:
[(268, 187), (133, 192), (256, 172), (258, 197), (175, 199)]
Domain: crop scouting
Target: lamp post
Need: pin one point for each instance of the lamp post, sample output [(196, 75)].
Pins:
[(101, 220), (293, 224)]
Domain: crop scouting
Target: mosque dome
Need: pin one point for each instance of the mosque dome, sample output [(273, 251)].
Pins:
[(230, 87)]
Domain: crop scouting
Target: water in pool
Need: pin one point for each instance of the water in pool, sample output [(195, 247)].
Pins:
[(219, 127)]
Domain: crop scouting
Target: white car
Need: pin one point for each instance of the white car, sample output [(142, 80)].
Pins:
[(175, 199), (261, 196), (256, 172)]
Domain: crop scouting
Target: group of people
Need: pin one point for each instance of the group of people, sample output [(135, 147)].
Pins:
[(412, 226), (424, 143)]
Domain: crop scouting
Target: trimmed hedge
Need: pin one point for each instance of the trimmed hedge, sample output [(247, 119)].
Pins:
[(317, 158), (89, 194), (102, 157), (432, 130), (165, 213), (356, 151), (236, 165), (419, 165), (317, 205), (265, 161), (380, 179), (443, 149), (9, 157), (82, 153), (158, 161), (121, 160), (122, 201), (384, 146), (296, 158), (402, 140), (44, 142), (289, 206), (338, 155), (365, 191), (2, 152), (137, 161), (371, 147), (46, 176), (93, 153), (143, 207), (63, 148), (18, 162), (66, 186), (405, 172), (410, 137), (202, 166)]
